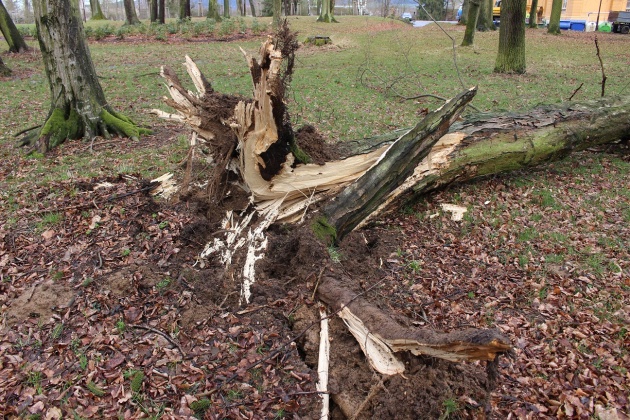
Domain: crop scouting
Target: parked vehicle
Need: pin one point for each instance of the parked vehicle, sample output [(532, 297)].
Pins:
[(620, 21), (406, 16), (459, 13)]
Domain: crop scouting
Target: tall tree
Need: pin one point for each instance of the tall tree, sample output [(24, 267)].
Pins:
[(153, 11), (485, 22), (10, 31), (471, 23), (226, 9), (252, 8), (239, 7), (184, 10), (511, 55), (554, 19), (27, 10), (4, 70), (213, 11), (78, 105), (533, 14), (131, 18), (327, 13), (95, 8)]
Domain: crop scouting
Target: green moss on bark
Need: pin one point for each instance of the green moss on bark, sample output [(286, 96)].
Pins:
[(122, 125), (324, 231), (60, 127)]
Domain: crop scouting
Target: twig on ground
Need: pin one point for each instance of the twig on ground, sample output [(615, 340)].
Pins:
[(317, 283), (576, 91), (163, 334)]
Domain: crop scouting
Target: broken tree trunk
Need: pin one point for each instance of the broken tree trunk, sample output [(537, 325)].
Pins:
[(253, 138)]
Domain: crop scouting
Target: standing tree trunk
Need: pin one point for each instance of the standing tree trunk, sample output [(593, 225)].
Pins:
[(252, 8), (471, 23), (131, 18), (184, 10), (277, 13), (239, 7), (511, 55), (213, 11), (10, 32), (162, 11), (95, 7), (485, 22), (533, 14), (153, 11), (463, 20), (226, 9), (27, 10), (78, 105), (554, 19), (327, 13), (4, 70)]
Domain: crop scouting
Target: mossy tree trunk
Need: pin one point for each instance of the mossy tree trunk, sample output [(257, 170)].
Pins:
[(131, 18), (485, 22), (78, 105), (554, 19), (533, 14), (184, 10), (4, 70), (277, 13), (153, 11), (10, 32), (511, 54), (213, 11), (327, 13), (471, 23), (95, 7), (161, 12)]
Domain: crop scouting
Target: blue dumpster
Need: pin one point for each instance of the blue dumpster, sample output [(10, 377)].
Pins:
[(565, 24), (578, 25)]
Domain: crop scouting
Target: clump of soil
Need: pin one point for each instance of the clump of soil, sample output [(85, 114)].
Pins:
[(314, 145)]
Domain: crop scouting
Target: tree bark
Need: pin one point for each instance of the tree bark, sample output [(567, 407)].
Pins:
[(161, 11), (511, 54), (252, 8), (226, 9), (471, 23), (554, 19), (131, 18), (95, 6), (10, 32), (4, 70), (277, 13), (78, 104), (463, 20)]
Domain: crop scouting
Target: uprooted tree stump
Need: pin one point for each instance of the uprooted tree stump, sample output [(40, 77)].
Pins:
[(252, 146)]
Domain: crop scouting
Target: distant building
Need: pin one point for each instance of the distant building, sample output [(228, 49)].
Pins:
[(585, 10)]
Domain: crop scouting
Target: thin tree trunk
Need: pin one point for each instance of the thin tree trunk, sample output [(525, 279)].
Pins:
[(10, 32), (511, 54), (533, 15), (4, 70), (471, 23), (78, 105), (554, 19), (252, 8), (184, 10), (27, 10), (277, 13), (239, 7), (131, 18)]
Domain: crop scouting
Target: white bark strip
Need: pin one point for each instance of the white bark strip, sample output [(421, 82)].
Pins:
[(323, 363)]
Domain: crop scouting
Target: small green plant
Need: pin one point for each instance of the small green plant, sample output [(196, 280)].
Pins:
[(49, 219), (83, 361), (163, 284), (415, 266), (471, 295), (163, 225), (450, 407), (125, 252), (233, 395), (94, 389), (120, 326), (57, 275), (87, 281), (200, 407), (56, 331), (34, 379), (136, 381)]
